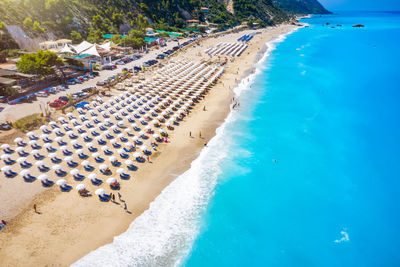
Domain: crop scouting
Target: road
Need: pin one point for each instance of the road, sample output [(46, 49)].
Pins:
[(17, 111)]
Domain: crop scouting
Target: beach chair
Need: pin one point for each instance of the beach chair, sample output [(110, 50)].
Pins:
[(73, 136), (55, 160), (23, 153), (116, 130), (8, 150), (96, 182), (43, 168), (29, 178), (81, 131), (10, 174), (92, 149), (46, 131), (25, 165), (60, 173), (21, 144), (125, 176), (61, 143), (77, 146), (72, 164), (65, 188), (87, 139), (124, 155), (88, 168), (118, 118), (99, 159), (83, 156), (59, 133), (38, 156), (9, 161), (109, 136), (116, 145), (66, 152), (47, 183), (108, 152), (51, 149), (103, 198), (79, 177), (35, 146), (116, 163)]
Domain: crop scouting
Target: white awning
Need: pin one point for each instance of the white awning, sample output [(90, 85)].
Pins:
[(82, 46), (66, 49), (106, 46), (92, 51)]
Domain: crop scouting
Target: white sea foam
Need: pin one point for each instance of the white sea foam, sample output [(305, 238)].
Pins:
[(164, 234), (344, 238)]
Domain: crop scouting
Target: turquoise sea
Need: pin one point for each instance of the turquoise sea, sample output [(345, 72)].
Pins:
[(305, 173)]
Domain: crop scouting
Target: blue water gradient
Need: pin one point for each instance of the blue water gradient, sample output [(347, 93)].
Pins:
[(314, 151)]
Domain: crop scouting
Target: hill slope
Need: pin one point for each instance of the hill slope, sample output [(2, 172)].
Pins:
[(302, 6)]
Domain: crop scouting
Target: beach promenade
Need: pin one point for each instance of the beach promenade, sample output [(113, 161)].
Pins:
[(68, 226)]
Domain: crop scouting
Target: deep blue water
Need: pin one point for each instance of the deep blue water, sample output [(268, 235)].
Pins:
[(326, 108)]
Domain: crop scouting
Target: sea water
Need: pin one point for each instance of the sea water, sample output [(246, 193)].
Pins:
[(306, 172)]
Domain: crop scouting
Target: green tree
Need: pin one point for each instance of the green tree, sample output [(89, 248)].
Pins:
[(37, 28), (27, 24), (97, 21), (135, 39), (117, 39), (41, 63), (117, 19), (76, 37), (95, 36)]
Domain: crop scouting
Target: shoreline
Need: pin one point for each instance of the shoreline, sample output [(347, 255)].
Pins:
[(59, 227)]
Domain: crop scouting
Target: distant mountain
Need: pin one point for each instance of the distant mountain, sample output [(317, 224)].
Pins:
[(302, 6)]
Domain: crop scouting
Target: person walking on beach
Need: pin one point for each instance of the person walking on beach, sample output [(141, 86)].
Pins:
[(190, 134), (204, 108), (113, 197), (148, 159), (125, 207), (119, 196), (34, 208), (200, 134)]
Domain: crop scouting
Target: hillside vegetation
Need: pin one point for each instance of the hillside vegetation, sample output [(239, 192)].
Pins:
[(92, 18)]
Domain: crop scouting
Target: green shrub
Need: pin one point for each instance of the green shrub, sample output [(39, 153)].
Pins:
[(30, 122)]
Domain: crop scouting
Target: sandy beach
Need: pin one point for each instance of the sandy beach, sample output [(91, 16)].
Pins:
[(69, 226)]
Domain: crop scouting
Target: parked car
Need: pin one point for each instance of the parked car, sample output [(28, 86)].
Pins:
[(108, 67), (5, 126), (160, 56), (101, 83), (125, 69), (64, 98), (51, 90), (147, 64), (71, 82), (79, 95), (95, 73), (3, 99), (137, 68), (57, 103), (89, 89), (41, 94)]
